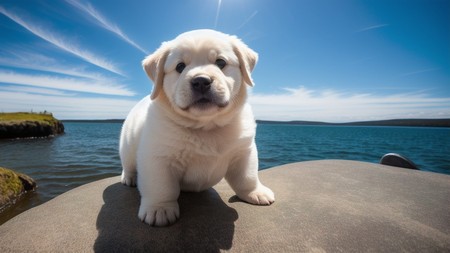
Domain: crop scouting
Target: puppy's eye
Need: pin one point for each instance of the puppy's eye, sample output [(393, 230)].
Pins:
[(221, 63), (180, 67)]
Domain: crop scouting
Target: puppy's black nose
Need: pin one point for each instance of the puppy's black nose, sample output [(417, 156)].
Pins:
[(201, 84)]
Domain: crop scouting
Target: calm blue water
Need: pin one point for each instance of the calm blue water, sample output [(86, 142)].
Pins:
[(428, 148), (89, 151)]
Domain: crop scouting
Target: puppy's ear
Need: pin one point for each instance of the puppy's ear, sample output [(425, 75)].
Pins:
[(247, 59), (154, 67)]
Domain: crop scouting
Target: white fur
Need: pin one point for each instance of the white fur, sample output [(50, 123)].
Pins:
[(170, 144)]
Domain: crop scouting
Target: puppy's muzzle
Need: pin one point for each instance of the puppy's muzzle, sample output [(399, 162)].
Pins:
[(201, 84), (204, 95)]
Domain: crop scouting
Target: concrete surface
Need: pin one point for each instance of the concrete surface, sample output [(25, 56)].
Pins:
[(321, 206)]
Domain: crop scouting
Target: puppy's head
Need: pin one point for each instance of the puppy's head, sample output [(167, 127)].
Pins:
[(202, 73)]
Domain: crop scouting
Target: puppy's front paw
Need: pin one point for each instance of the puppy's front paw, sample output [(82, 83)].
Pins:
[(261, 196), (159, 215), (128, 179)]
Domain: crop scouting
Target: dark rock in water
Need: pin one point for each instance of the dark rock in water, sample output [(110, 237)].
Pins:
[(12, 186), (28, 183), (396, 160)]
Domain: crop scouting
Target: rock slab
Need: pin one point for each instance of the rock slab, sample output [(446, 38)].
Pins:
[(321, 206)]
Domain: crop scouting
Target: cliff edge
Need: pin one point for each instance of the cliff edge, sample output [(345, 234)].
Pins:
[(26, 125)]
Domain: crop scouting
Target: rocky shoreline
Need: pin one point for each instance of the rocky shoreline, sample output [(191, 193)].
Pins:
[(12, 186), (28, 125), (27, 129)]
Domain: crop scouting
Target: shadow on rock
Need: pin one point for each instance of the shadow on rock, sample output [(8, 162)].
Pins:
[(206, 224)]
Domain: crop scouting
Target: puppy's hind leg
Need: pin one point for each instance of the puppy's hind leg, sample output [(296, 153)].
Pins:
[(128, 159)]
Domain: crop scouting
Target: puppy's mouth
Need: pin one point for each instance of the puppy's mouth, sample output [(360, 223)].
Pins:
[(205, 103)]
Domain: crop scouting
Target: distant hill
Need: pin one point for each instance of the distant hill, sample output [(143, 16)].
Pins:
[(404, 122), (94, 120), (391, 122)]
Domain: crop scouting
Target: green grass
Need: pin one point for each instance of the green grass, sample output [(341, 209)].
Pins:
[(26, 116), (10, 185)]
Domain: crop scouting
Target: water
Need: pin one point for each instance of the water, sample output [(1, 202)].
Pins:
[(89, 152), (428, 148), (86, 152)]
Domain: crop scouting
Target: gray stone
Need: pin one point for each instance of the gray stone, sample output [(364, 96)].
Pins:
[(321, 206)]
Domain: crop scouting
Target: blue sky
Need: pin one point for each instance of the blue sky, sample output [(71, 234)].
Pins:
[(334, 60)]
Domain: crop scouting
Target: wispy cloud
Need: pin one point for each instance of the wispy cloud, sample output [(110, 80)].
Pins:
[(247, 20), (329, 105), (418, 72), (34, 90), (371, 28), (100, 20), (293, 104), (64, 83), (67, 107), (61, 42), (21, 58)]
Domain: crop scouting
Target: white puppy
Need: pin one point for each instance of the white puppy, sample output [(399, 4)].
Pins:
[(195, 128)]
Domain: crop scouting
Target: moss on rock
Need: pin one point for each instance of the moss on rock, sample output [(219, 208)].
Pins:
[(12, 186)]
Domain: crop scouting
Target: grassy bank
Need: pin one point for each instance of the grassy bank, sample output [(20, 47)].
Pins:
[(26, 116), (26, 125)]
